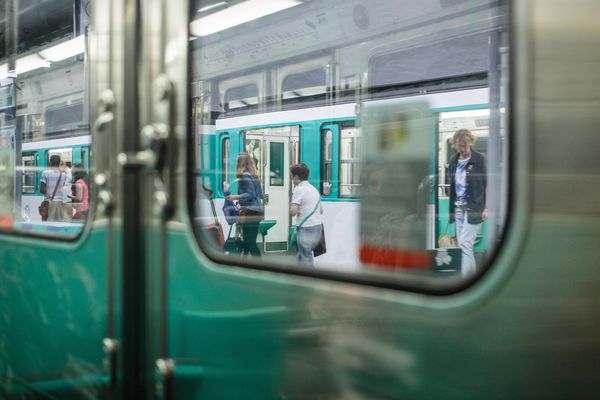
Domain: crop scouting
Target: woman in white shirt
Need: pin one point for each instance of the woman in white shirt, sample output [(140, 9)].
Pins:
[(306, 206)]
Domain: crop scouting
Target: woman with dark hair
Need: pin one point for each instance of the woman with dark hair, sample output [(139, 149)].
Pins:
[(80, 195), (250, 197), (306, 206), (53, 180)]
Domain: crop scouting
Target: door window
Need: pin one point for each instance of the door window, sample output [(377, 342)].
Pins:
[(276, 165), (350, 147), (326, 162), (44, 124), (374, 112), (29, 173)]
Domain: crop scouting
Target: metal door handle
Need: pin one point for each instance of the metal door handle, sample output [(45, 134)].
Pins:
[(165, 369)]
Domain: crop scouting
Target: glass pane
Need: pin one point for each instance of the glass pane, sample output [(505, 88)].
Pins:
[(29, 168), (225, 161), (304, 86), (326, 161), (241, 98), (254, 148), (376, 96), (276, 167), (56, 293), (44, 128), (349, 179)]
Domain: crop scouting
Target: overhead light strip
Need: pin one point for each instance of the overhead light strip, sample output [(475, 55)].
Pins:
[(212, 6), (238, 14), (44, 58)]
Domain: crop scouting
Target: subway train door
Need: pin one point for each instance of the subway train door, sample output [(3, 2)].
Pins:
[(273, 149), (277, 190)]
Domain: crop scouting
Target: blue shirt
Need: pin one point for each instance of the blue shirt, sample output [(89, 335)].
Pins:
[(250, 193)]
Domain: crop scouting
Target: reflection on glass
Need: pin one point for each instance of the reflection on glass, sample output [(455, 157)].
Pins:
[(225, 161), (316, 94), (44, 129), (326, 162), (254, 148)]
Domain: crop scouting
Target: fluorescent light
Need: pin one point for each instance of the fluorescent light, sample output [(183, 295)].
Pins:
[(64, 50), (210, 7), (3, 71), (29, 63), (485, 112), (42, 59), (238, 14)]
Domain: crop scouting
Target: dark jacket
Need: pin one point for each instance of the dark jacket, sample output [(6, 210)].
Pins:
[(250, 192), (476, 186)]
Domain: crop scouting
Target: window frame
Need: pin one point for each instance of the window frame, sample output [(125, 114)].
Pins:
[(353, 161), (404, 280), (34, 172)]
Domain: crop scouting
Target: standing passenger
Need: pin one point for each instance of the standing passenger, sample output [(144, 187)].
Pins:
[(53, 180), (251, 202), (306, 206), (65, 168), (468, 183), (80, 195)]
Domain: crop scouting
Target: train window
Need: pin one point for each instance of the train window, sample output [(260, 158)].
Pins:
[(63, 119), (326, 161), (241, 98), (225, 151), (304, 86), (276, 164), (448, 67), (255, 149), (44, 129), (29, 165), (398, 115), (350, 147)]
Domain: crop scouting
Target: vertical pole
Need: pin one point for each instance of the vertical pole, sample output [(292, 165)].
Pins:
[(10, 114), (494, 151)]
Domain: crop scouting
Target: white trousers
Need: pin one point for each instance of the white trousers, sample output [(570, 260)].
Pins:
[(465, 234)]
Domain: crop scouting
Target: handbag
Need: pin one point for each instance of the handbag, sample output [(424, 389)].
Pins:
[(445, 241), (321, 246), (44, 208), (293, 241), (248, 216)]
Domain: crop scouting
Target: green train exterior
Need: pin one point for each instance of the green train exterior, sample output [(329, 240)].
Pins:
[(138, 305)]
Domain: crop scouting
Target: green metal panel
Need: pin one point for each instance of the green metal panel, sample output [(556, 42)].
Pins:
[(53, 301), (310, 150), (240, 333)]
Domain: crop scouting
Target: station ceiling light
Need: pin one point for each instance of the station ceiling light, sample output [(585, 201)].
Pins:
[(44, 58), (64, 50), (238, 14)]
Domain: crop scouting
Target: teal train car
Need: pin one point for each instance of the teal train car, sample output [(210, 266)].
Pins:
[(150, 297), (35, 157)]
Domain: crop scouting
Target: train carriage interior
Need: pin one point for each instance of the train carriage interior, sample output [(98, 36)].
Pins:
[(299, 199)]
